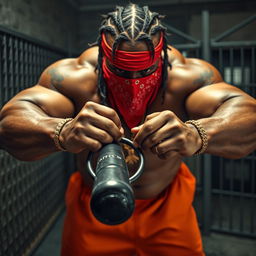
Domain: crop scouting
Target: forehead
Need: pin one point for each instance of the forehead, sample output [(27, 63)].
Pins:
[(133, 46)]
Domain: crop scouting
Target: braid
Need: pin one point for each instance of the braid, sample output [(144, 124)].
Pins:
[(101, 82), (131, 23), (166, 64)]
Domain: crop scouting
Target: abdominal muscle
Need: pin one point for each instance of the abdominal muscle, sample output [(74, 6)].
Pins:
[(157, 174)]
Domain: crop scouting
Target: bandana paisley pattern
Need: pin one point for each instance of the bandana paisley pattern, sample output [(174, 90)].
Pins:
[(131, 97)]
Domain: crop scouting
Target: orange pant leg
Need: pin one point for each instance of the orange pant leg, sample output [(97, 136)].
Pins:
[(169, 226), (83, 235), (165, 225)]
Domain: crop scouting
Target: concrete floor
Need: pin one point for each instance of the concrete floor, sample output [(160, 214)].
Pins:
[(215, 244)]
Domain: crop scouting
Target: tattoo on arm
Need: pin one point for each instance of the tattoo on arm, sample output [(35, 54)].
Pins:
[(205, 78), (56, 77)]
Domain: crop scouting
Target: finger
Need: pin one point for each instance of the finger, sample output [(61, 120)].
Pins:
[(84, 142), (168, 154), (150, 116), (135, 130), (98, 134), (147, 129), (171, 144), (162, 134), (105, 111), (88, 116), (107, 125)]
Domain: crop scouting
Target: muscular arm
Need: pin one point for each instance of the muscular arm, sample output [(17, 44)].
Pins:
[(67, 88), (228, 116), (27, 122), (225, 112)]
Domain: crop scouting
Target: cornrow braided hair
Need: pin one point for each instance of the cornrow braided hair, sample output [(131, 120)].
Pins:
[(131, 23)]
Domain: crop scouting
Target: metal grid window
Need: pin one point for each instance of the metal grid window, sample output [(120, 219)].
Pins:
[(226, 194), (31, 194)]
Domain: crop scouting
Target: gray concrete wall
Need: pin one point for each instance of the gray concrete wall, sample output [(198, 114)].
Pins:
[(220, 22), (186, 18), (58, 23), (51, 21)]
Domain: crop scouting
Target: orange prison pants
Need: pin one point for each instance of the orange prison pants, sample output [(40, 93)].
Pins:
[(162, 226)]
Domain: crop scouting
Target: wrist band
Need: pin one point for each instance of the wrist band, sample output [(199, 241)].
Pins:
[(202, 134), (57, 132)]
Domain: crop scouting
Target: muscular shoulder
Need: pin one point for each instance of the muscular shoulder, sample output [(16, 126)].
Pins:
[(72, 76), (189, 74)]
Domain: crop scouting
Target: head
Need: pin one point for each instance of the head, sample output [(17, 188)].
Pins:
[(132, 29)]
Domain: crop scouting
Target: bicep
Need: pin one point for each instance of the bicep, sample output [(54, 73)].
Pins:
[(51, 102), (205, 101)]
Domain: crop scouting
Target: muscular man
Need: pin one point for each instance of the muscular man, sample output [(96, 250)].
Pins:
[(132, 84)]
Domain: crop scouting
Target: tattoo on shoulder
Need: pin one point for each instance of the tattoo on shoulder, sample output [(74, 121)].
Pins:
[(56, 77), (205, 78)]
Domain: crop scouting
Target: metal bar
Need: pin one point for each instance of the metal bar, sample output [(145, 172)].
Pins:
[(206, 36), (10, 67), (227, 231), (180, 33), (221, 172), (197, 53), (241, 201), (221, 61), (253, 55), (253, 190), (207, 194), (206, 158), (235, 28), (1, 72), (31, 39), (231, 64), (233, 193), (231, 196), (5, 57), (187, 46), (237, 44)]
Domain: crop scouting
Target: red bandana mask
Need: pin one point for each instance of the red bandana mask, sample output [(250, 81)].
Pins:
[(132, 96)]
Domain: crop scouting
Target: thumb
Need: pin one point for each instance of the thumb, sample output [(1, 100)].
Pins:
[(136, 129)]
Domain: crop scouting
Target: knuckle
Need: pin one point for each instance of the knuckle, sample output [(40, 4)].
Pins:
[(153, 140), (109, 126), (148, 127), (104, 137), (95, 146), (148, 117), (112, 113), (175, 125), (181, 139), (168, 114), (89, 104), (78, 128), (84, 115)]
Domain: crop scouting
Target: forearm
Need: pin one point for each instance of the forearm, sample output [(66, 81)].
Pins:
[(231, 129), (26, 131)]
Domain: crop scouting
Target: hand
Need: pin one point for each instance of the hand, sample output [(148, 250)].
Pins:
[(163, 133), (94, 126)]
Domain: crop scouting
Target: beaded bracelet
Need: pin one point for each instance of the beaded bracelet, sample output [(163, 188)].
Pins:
[(202, 134), (57, 132)]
